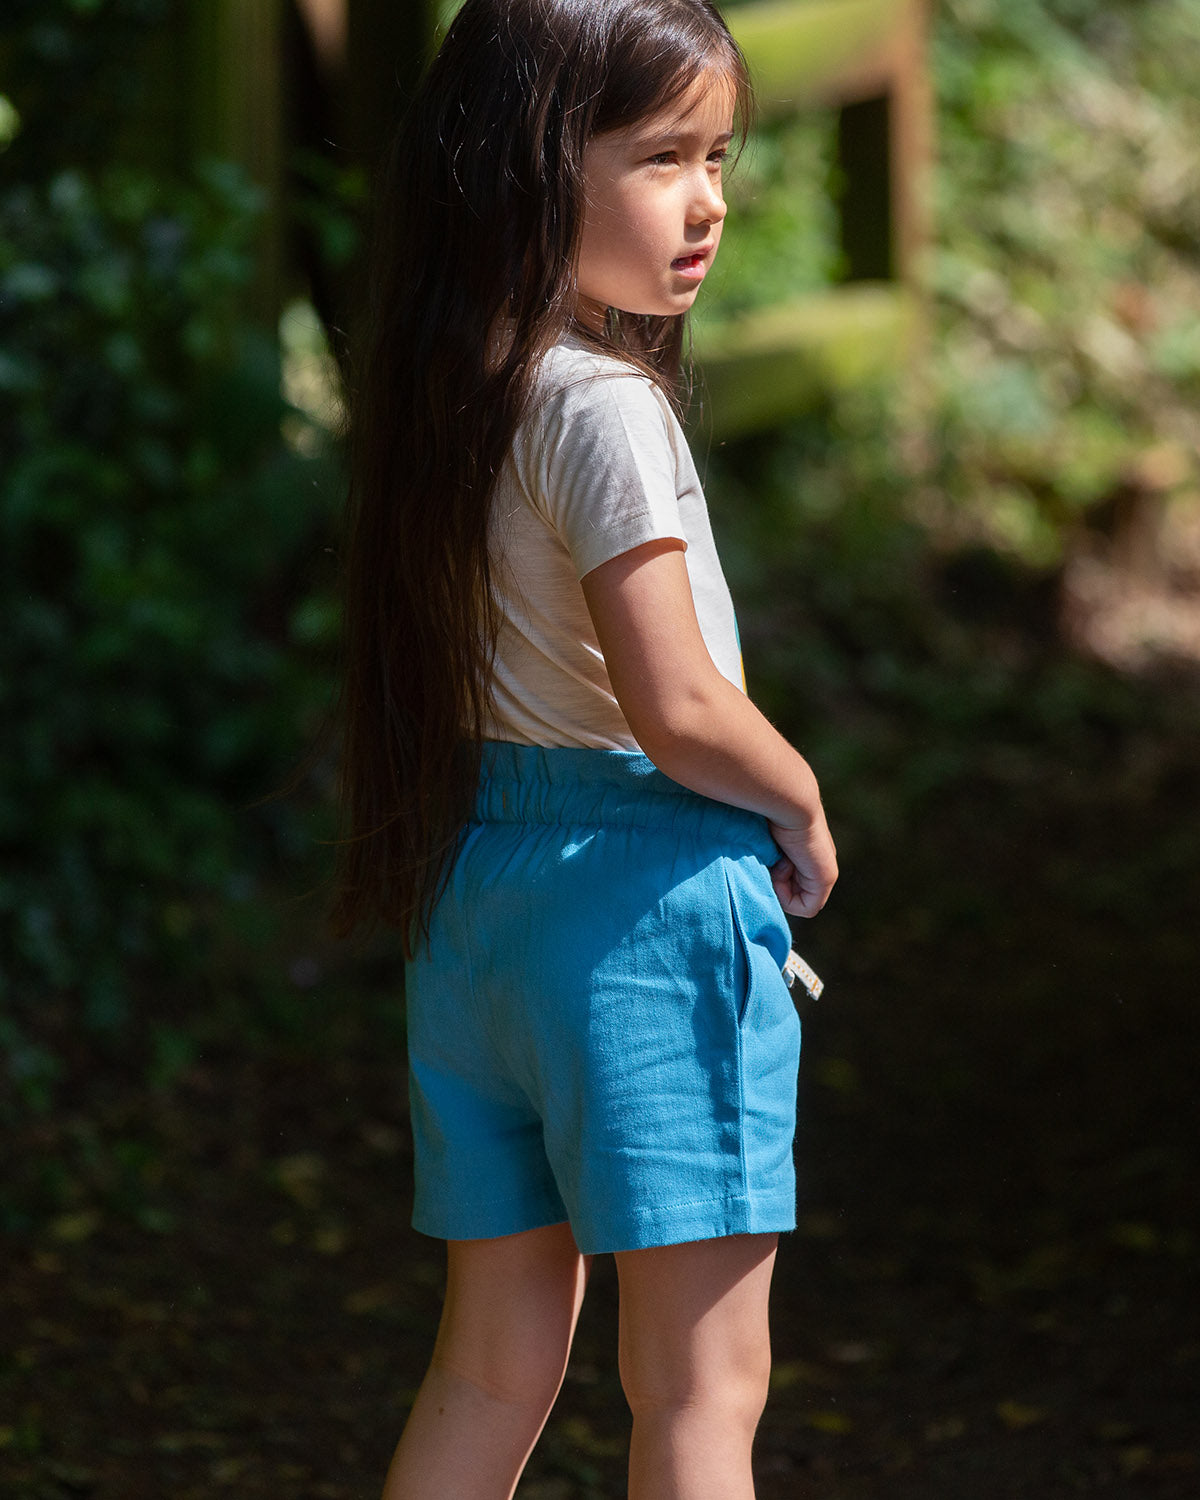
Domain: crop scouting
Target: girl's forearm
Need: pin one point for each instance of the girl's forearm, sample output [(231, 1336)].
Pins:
[(716, 742)]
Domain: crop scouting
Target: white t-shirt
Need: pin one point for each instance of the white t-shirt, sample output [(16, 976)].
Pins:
[(599, 466)]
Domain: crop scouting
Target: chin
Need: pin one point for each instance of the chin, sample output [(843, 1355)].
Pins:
[(672, 306)]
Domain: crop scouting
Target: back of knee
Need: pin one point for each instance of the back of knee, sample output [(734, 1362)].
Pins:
[(530, 1388)]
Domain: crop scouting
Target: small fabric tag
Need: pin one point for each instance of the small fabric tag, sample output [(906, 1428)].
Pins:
[(795, 968)]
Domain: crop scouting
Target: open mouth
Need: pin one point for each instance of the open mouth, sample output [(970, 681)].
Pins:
[(687, 263)]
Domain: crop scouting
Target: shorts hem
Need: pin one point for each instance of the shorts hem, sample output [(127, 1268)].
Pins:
[(487, 1222), (682, 1223), (677, 1225)]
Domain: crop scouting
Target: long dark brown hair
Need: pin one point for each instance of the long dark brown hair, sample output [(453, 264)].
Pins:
[(479, 218)]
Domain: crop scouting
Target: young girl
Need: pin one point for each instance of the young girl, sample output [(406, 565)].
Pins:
[(554, 783)]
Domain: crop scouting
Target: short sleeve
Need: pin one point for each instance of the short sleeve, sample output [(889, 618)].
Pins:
[(603, 467)]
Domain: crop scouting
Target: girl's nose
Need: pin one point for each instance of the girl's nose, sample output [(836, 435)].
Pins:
[(708, 203)]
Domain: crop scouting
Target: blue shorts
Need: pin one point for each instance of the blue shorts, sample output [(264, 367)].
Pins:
[(599, 1030)]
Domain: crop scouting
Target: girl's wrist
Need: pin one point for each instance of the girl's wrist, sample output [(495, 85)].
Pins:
[(804, 812)]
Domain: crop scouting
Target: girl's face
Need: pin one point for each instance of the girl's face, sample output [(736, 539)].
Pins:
[(652, 220)]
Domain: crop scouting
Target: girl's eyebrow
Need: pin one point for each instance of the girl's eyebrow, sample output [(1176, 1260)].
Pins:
[(680, 137)]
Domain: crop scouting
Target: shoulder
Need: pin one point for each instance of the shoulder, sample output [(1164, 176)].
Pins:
[(600, 456), (600, 451), (571, 360), (576, 384)]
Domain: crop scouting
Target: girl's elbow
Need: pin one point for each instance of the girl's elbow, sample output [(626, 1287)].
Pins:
[(677, 734)]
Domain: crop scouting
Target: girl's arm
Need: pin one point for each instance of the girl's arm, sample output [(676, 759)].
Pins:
[(695, 725)]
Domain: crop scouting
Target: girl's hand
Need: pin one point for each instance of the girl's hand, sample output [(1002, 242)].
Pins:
[(805, 875)]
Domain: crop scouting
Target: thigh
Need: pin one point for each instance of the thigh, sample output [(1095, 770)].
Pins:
[(694, 1318), (510, 1311), (511, 1307)]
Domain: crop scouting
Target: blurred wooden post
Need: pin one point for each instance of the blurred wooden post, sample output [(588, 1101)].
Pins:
[(387, 45), (355, 63), (235, 53), (883, 149), (368, 55), (865, 205), (867, 60)]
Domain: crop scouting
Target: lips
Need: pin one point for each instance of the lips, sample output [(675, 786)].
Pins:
[(693, 267)]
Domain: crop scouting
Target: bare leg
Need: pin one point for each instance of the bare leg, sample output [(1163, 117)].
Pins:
[(502, 1345), (695, 1362)]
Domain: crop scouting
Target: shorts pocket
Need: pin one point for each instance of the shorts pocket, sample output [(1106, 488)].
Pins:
[(761, 940)]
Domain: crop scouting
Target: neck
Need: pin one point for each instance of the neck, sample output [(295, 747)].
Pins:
[(591, 315)]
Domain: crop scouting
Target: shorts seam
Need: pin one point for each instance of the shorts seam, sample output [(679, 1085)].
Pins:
[(739, 948)]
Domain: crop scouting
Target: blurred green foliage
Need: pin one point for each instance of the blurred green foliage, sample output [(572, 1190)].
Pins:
[(161, 632), (74, 70), (1066, 271)]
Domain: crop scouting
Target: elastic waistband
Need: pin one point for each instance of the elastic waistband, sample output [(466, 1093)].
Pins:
[(606, 788)]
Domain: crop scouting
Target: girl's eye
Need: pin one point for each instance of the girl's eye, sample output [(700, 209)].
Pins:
[(718, 156), (662, 158)]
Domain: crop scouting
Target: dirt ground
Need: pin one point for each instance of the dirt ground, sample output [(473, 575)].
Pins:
[(992, 1292)]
